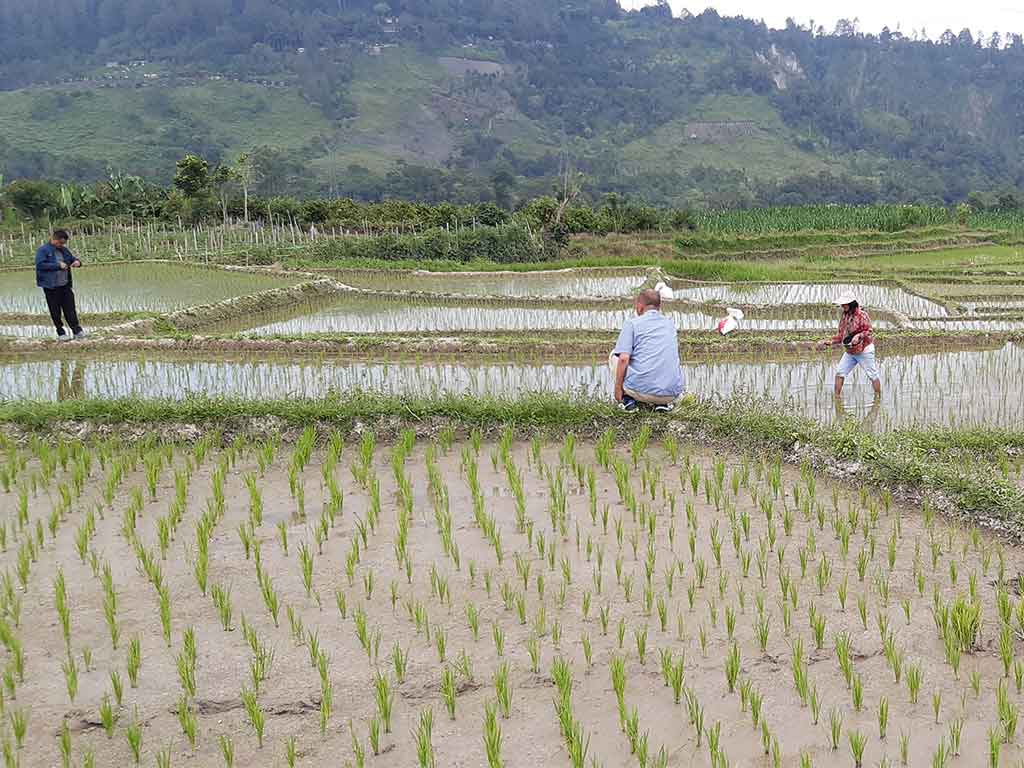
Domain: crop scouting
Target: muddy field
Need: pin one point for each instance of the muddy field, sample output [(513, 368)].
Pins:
[(556, 604)]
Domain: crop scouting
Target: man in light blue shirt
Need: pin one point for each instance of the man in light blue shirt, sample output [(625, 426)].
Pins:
[(645, 362)]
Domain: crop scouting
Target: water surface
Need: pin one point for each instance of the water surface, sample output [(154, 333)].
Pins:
[(137, 287), (973, 387)]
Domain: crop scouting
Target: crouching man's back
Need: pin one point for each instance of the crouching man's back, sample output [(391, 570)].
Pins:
[(645, 362)]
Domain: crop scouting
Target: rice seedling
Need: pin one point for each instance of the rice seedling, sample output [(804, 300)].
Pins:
[(374, 734), (117, 686), (883, 717), (270, 596), (165, 614), (1006, 648), (492, 737), (70, 669), (222, 602), (965, 623), (1007, 712), (498, 635), (358, 751), (914, 678), (857, 743), (441, 644), (503, 690), (133, 733), (835, 728), (107, 716), (640, 636), (937, 704), (63, 609), (187, 721), (254, 713), (64, 742), (955, 732), (423, 735), (448, 690), (385, 700), (732, 667), (227, 750), (995, 745)]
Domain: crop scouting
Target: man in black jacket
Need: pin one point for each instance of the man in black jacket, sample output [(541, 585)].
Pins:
[(54, 263)]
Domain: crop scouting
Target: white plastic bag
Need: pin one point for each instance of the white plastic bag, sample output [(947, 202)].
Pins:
[(730, 322)]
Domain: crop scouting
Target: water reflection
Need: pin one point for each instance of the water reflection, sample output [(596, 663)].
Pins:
[(138, 287), (577, 283), (972, 387), (72, 380), (868, 420), (871, 296), (353, 315)]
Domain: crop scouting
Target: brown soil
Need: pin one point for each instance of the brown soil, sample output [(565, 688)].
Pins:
[(530, 736), (543, 344)]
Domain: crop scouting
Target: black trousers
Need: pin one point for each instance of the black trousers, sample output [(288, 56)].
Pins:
[(62, 301)]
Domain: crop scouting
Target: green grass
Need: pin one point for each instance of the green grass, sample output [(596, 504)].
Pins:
[(767, 154), (115, 125), (390, 93)]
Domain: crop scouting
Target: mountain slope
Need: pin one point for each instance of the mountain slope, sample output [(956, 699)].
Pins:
[(493, 99)]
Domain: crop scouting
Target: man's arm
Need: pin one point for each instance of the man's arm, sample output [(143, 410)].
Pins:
[(623, 349), (73, 261), (620, 376)]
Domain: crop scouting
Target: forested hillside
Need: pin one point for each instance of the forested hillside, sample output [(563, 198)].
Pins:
[(490, 100)]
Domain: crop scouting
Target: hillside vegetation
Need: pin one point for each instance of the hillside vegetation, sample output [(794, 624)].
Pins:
[(491, 100)]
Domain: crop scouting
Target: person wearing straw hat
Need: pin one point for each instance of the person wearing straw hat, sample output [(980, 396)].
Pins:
[(857, 341)]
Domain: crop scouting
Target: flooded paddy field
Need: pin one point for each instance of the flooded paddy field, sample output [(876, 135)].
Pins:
[(873, 297), (137, 287), (956, 388), (368, 315), (446, 601), (577, 283)]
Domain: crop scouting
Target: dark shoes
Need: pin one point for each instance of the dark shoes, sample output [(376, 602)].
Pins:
[(629, 405)]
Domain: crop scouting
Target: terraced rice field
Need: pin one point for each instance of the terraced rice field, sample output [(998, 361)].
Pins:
[(958, 388), (586, 283), (368, 315), (136, 287), (457, 604), (872, 297)]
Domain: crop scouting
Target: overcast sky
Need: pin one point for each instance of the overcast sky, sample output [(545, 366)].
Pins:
[(934, 16)]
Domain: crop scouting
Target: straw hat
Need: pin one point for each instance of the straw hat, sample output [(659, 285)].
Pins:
[(846, 297)]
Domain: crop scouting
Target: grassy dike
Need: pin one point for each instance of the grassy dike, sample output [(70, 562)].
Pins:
[(925, 462)]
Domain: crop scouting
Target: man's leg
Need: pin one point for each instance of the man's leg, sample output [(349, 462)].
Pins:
[(846, 364), (867, 361), (640, 397), (53, 303), (70, 311)]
